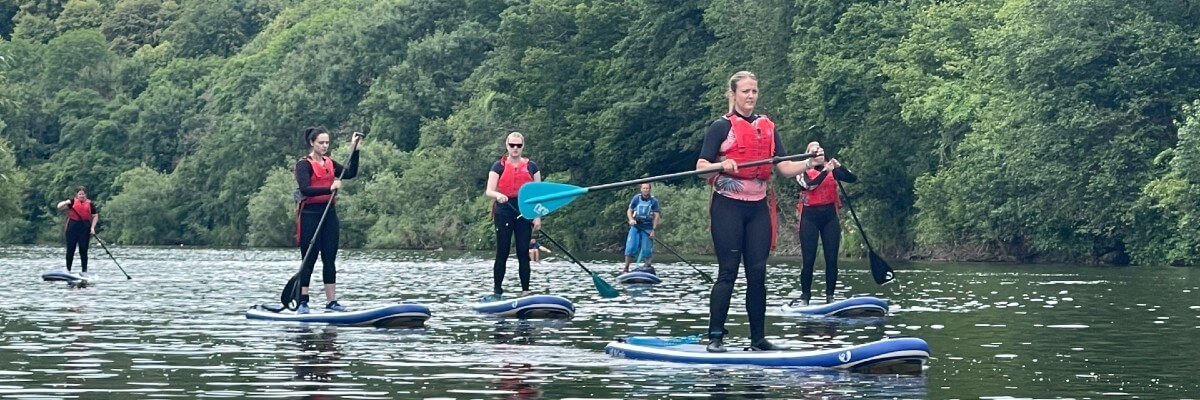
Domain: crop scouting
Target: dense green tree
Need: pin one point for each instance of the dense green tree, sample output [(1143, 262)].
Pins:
[(146, 209), (1058, 89), (135, 23), (13, 186), (79, 14), (208, 27), (79, 60), (1173, 195), (979, 128), (33, 27), (273, 211)]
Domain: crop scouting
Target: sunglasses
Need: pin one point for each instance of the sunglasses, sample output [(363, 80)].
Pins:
[(517, 145)]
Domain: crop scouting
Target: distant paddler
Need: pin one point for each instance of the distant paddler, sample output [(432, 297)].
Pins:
[(82, 217)]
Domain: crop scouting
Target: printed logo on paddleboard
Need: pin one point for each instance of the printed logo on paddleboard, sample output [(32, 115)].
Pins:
[(845, 356), (540, 209)]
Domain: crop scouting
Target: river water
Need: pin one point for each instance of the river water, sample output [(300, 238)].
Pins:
[(177, 329)]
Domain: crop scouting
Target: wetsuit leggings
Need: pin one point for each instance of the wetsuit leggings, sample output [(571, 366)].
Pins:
[(819, 222), (508, 225), (326, 244), (78, 234), (741, 232)]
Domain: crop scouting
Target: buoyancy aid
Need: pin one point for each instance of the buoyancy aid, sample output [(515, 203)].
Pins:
[(322, 176), (825, 193), (752, 141), (81, 211), (513, 177)]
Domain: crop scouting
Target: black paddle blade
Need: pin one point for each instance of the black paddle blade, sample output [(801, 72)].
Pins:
[(880, 270), (290, 296)]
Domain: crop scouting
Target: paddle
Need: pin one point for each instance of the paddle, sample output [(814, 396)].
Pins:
[(290, 296), (540, 198), (707, 278), (607, 291), (111, 256), (880, 270)]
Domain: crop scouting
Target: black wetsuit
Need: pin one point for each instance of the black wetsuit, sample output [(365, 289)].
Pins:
[(821, 222), (509, 223), (741, 232), (78, 234), (310, 215)]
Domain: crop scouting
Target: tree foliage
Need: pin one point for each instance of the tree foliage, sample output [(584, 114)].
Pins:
[(981, 129)]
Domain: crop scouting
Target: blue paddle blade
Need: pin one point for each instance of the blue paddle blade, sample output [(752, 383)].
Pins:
[(606, 290), (540, 198)]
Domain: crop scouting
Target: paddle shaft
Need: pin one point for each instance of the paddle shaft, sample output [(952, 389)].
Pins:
[(704, 275), (113, 258), (854, 215), (772, 160), (564, 250), (312, 242)]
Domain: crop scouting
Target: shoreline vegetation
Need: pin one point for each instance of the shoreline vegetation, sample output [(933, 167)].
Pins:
[(984, 130)]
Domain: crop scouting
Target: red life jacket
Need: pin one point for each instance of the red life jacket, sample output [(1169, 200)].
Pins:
[(82, 211), (322, 176), (514, 176), (752, 141), (825, 193)]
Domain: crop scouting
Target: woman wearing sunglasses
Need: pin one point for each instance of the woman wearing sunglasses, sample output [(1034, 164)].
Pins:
[(504, 181)]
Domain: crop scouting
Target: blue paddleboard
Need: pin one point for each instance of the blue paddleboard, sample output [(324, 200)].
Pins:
[(891, 356), (865, 306), (393, 316), (537, 306)]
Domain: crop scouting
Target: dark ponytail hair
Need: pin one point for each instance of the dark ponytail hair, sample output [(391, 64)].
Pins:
[(311, 133)]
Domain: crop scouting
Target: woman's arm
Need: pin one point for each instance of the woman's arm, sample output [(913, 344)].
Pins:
[(490, 191)]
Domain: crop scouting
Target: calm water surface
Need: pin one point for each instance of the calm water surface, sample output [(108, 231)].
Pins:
[(178, 330)]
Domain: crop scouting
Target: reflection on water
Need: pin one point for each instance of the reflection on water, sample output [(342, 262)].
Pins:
[(317, 361), (177, 329)]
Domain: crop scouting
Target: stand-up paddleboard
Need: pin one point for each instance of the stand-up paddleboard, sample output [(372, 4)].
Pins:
[(638, 278), (891, 356), (642, 275), (865, 306), (393, 316), (538, 306), (73, 279)]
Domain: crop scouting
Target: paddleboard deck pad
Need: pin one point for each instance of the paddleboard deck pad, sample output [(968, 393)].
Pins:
[(393, 316), (888, 356), (865, 306), (537, 306)]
